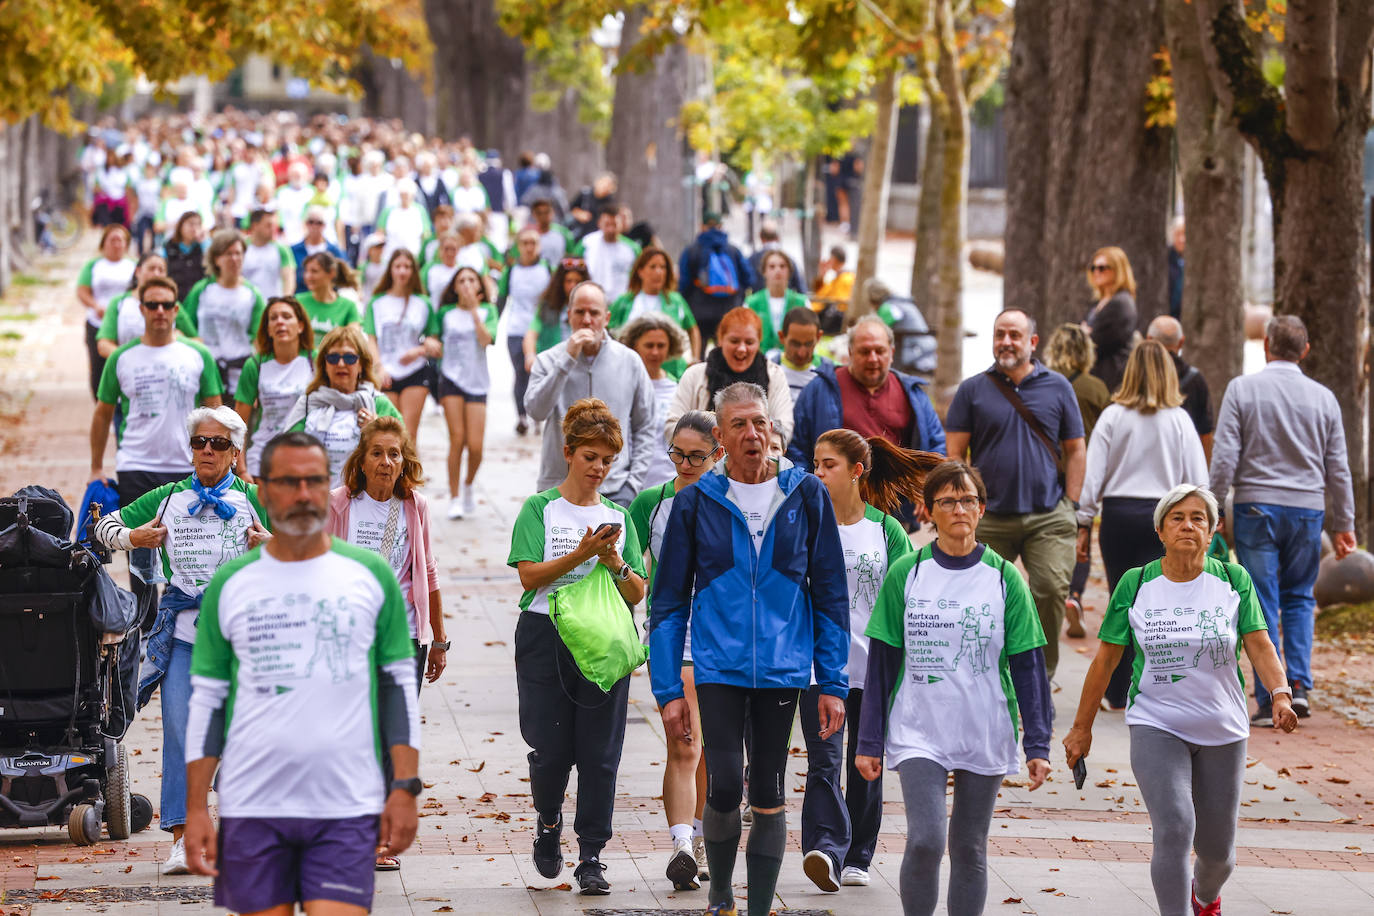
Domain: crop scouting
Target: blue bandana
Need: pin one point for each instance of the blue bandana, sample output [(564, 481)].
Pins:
[(213, 496)]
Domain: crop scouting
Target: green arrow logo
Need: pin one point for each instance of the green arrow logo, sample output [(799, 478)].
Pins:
[(932, 679), (281, 689), (1178, 677)]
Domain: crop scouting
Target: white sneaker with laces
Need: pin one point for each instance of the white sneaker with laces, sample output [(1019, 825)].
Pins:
[(455, 508), (854, 876), (469, 500), (176, 862)]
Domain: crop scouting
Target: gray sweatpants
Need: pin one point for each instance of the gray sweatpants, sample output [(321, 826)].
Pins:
[(1193, 795), (923, 792)]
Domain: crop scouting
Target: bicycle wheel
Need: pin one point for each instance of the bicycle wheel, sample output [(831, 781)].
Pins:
[(63, 229)]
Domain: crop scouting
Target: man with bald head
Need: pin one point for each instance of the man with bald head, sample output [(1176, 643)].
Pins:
[(1197, 399)]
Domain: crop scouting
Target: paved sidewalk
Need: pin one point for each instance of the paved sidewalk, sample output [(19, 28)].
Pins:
[(1056, 851)]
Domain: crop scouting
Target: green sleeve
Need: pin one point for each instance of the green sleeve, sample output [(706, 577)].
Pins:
[(368, 326), (1023, 631), (259, 307), (620, 310), (492, 317), (898, 541), (382, 218), (424, 220), (84, 278), (527, 536), (537, 323), (575, 248), (251, 491), (210, 384), (109, 324), (1116, 623), (503, 284), (107, 392), (185, 325), (191, 304), (384, 407), (634, 246), (889, 612), (144, 509), (287, 258), (247, 392), (683, 312), (1250, 618), (212, 656), (435, 326), (634, 551), (642, 512)]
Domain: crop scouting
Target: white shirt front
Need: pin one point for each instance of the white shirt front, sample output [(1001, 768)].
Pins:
[(108, 279), (399, 325), (437, 276), (1140, 455), (755, 500), (262, 266), (366, 526), (464, 362), (775, 311), (661, 468), (157, 387), (279, 387), (526, 284), (564, 525), (608, 264), (644, 304), (865, 567)]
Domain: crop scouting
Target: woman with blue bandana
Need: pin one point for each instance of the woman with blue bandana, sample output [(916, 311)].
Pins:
[(196, 525)]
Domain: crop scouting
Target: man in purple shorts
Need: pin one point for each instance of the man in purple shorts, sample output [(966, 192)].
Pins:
[(303, 670)]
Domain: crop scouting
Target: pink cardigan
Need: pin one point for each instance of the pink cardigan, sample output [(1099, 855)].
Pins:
[(421, 558)]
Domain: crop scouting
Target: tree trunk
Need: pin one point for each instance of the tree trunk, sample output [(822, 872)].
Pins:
[(6, 236), (877, 181), (577, 156), (928, 218), (949, 286), (1089, 173), (1211, 164), (391, 91), (479, 74), (812, 209), (645, 149)]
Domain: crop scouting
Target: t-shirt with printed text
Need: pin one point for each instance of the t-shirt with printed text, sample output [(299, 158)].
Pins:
[(549, 526), (155, 388)]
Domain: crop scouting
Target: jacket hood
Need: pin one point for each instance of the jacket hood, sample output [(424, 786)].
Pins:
[(714, 239)]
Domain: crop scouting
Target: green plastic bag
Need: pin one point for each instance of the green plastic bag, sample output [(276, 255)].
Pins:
[(598, 628)]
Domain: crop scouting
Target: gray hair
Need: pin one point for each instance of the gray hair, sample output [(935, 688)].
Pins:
[(224, 416), (1287, 337), (1166, 330), (702, 422), (588, 286), (678, 342), (467, 220), (1181, 492), (871, 320), (741, 393)]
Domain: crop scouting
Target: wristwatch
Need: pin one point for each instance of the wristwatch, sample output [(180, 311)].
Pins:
[(414, 786), (624, 574), (441, 644)]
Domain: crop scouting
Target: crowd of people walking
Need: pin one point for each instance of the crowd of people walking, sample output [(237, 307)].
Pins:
[(303, 291)]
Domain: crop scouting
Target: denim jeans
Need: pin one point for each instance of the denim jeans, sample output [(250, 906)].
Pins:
[(1281, 546), (176, 709), (160, 643), (844, 825)]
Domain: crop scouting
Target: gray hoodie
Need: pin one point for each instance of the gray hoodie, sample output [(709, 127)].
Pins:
[(617, 376)]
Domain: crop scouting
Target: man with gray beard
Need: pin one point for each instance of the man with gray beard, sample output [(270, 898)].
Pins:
[(302, 665)]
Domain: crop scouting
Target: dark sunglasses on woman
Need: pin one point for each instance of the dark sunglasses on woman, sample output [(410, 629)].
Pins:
[(347, 359), (218, 443)]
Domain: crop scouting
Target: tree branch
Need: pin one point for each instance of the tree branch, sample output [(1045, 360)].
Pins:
[(1309, 50), (1256, 107), (887, 21)]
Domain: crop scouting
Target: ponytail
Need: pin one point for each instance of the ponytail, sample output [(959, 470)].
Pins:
[(891, 473)]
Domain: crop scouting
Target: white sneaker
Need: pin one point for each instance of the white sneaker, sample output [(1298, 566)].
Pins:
[(455, 508), (176, 862), (820, 868), (469, 500), (682, 867), (854, 876)]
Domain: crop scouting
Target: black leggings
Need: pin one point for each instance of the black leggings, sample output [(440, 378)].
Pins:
[(1127, 539), (726, 712), (515, 347)]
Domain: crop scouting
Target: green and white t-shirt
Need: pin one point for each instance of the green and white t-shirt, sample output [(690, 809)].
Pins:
[(520, 287), (871, 545), (155, 388), (464, 362), (398, 324), (338, 430), (954, 702), (123, 320), (610, 263), (197, 545), (649, 512), (107, 279), (226, 318), (1186, 679), (477, 254), (326, 316), (274, 387), (435, 276), (263, 264), (549, 526), (302, 659)]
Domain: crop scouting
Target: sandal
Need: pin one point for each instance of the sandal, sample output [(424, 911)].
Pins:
[(1073, 613), (388, 863)]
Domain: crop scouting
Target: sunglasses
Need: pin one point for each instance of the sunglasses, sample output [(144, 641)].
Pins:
[(218, 443), (314, 222), (1100, 268), (347, 359), (158, 306)]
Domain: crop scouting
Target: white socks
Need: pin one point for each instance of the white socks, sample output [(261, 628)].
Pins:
[(682, 833)]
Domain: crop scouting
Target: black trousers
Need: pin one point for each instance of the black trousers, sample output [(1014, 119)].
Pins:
[(844, 825), (1127, 539), (567, 721), (97, 362), (726, 713), (515, 348)]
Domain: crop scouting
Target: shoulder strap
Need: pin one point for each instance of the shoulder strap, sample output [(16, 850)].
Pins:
[(1226, 565), (1139, 580), (1005, 387)]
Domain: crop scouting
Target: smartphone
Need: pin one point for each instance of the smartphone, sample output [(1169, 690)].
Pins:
[(1080, 773), (614, 526)]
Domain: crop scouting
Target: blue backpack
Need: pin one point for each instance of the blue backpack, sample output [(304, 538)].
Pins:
[(717, 276)]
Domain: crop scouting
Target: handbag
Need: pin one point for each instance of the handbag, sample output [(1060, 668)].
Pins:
[(598, 629)]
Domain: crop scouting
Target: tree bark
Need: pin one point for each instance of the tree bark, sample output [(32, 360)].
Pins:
[(928, 218), (813, 209), (1312, 146), (1211, 166), (949, 285), (1089, 173), (479, 74), (877, 180), (646, 150)]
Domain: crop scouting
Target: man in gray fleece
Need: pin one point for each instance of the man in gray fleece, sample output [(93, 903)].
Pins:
[(589, 364), (1280, 444)]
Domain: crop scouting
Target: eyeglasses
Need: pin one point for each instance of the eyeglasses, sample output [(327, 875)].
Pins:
[(218, 443), (347, 359), (291, 482), (967, 503), (1100, 268), (158, 306), (696, 459)]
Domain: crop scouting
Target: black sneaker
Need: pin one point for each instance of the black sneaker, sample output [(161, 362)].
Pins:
[(591, 880), (1301, 708), (548, 851), (1264, 716), (522, 426)]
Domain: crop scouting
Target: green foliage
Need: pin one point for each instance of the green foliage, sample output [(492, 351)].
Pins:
[(1274, 68)]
